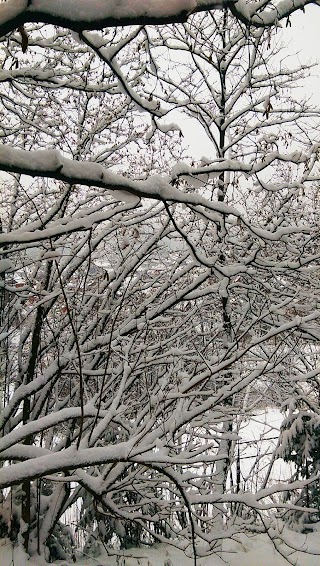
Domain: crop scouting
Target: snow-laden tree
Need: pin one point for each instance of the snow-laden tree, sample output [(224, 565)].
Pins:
[(149, 301), (300, 445)]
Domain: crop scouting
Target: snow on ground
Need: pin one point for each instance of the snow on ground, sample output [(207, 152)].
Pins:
[(256, 550), (247, 550)]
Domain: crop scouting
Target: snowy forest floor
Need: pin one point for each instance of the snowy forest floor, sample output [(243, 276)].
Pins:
[(257, 550), (244, 550)]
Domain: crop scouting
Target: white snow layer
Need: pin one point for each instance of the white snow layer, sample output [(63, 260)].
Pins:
[(82, 9)]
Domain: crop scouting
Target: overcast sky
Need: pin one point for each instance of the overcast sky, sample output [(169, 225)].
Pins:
[(303, 38)]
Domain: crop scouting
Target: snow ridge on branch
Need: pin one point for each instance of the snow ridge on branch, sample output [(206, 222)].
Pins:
[(97, 14)]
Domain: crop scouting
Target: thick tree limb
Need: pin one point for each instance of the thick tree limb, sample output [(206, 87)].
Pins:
[(97, 14)]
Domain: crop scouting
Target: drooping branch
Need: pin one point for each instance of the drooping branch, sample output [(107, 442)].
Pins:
[(52, 164)]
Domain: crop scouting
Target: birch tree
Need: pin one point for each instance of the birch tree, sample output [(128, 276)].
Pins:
[(146, 295)]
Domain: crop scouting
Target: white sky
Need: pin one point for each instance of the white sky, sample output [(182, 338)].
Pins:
[(302, 38)]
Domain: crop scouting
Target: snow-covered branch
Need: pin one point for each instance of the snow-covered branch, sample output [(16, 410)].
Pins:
[(97, 14)]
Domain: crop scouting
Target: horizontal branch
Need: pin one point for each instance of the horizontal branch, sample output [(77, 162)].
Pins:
[(51, 164), (41, 462), (48, 421), (80, 15)]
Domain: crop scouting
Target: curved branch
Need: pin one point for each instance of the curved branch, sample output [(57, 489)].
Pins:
[(79, 15)]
